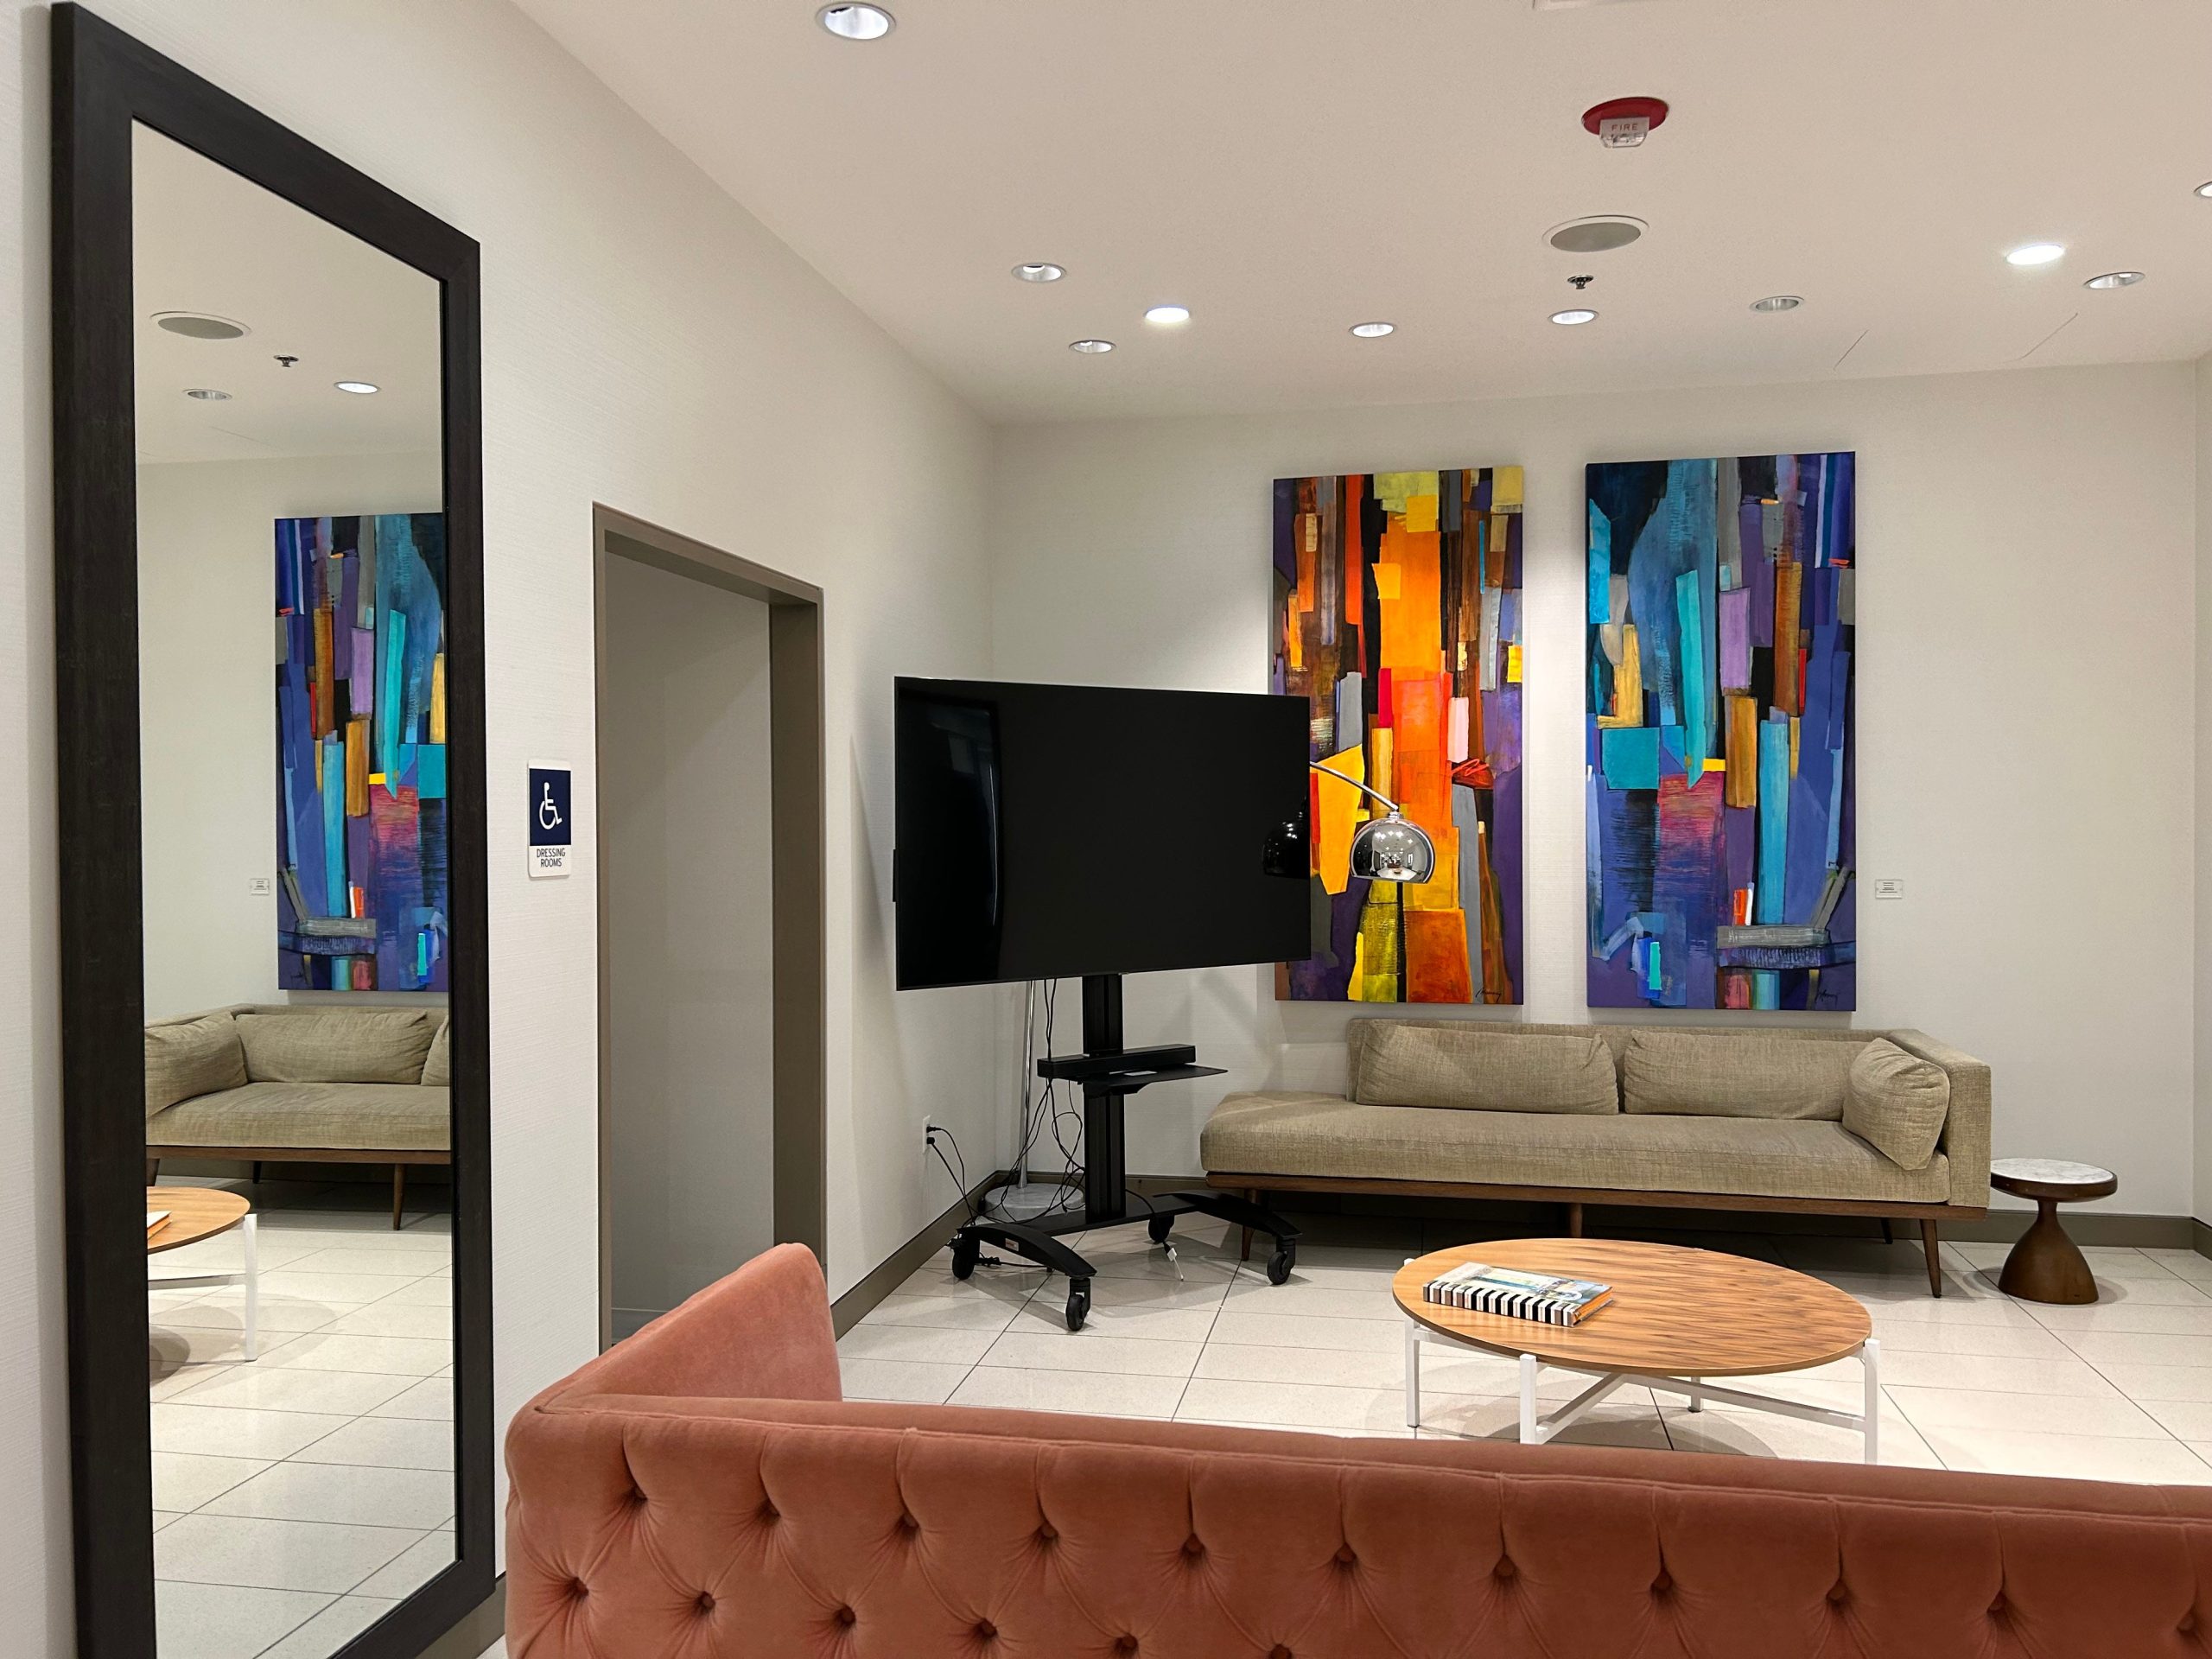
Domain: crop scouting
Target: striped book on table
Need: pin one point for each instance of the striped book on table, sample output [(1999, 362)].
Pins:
[(1478, 1287)]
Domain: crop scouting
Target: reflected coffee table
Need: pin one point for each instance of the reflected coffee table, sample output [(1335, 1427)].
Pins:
[(1677, 1317), (198, 1212)]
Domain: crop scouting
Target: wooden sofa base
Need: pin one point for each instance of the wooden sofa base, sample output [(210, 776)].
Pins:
[(260, 1155), (1575, 1197)]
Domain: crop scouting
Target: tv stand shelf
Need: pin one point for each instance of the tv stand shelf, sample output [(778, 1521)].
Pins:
[(1108, 1073)]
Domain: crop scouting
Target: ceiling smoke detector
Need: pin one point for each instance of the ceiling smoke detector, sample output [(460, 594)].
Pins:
[(1625, 123), (199, 325), (1596, 233)]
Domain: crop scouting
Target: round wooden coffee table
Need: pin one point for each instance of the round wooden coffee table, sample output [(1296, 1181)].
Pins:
[(1677, 1317), (2045, 1265), (198, 1212)]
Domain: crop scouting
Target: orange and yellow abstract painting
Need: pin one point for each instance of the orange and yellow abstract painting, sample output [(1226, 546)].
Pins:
[(1397, 616)]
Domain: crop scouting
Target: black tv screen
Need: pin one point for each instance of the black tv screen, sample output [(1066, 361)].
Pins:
[(1049, 831)]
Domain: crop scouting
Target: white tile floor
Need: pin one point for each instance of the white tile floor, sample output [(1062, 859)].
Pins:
[(299, 1497), (2121, 1390)]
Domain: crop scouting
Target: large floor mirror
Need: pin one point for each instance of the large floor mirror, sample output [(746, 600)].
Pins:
[(269, 633)]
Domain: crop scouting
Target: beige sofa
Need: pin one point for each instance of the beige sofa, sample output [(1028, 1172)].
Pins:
[(1727, 1118), (313, 1082)]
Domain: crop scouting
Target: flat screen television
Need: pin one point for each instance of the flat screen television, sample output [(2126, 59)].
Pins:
[(1052, 831)]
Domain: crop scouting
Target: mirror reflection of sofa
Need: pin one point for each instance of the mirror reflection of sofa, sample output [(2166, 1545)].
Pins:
[(308, 1084)]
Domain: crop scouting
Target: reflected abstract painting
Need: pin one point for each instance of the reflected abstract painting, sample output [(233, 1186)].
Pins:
[(1720, 764), (361, 843), (1397, 616)]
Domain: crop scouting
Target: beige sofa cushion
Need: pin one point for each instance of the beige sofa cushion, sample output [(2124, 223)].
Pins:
[(1712, 1074), (1467, 1068), (186, 1058), (355, 1116), (338, 1045), (1898, 1101), (1323, 1135), (437, 1066)]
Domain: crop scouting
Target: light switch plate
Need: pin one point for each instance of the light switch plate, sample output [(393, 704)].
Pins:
[(260, 886), (1889, 886)]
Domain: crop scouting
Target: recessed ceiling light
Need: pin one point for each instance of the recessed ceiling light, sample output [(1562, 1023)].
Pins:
[(1043, 271), (2036, 253), (2115, 279), (199, 325), (207, 394), (856, 22), (2205, 189), (359, 388), (1778, 303), (1168, 314), (1373, 330), (1570, 319), (1091, 347)]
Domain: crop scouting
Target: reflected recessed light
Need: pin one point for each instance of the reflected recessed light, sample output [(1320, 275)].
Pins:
[(199, 325), (856, 22), (2036, 253), (1169, 314), (2115, 279), (1091, 347), (207, 394), (1373, 330), (1778, 303), (1043, 271), (1570, 319), (359, 388)]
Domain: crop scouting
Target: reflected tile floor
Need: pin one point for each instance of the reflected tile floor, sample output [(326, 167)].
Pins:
[(299, 1498), (2121, 1390)]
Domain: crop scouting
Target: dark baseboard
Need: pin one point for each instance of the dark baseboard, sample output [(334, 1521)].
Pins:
[(479, 1627), (892, 1272), (1997, 1227)]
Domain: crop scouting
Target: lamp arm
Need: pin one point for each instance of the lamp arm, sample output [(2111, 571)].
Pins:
[(1356, 784)]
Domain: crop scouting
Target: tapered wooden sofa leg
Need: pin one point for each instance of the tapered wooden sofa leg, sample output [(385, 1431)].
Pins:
[(1933, 1251)]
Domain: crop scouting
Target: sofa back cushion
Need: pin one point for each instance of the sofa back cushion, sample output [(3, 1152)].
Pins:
[(1897, 1102), (1472, 1069), (338, 1045), (186, 1058), (437, 1066), (1724, 1074)]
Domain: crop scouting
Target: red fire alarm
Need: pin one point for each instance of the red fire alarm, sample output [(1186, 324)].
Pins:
[(1625, 123)]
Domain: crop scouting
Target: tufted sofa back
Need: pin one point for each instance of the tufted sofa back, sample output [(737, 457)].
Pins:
[(663, 1505)]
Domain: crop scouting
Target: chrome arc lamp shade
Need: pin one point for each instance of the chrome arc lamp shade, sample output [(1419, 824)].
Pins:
[(1391, 848)]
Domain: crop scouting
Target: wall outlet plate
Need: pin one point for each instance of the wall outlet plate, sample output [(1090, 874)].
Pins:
[(1889, 886), (260, 886)]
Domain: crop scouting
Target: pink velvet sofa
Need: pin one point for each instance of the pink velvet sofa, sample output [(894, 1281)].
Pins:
[(700, 1492)]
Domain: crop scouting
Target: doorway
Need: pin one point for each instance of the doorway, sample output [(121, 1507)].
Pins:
[(711, 932)]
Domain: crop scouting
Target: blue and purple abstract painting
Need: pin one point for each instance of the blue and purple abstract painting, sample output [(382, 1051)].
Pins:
[(1720, 761), (361, 843)]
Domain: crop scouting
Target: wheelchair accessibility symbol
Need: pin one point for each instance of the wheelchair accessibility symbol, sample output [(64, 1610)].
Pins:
[(549, 820)]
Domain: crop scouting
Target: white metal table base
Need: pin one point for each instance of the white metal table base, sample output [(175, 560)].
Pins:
[(249, 1275), (1536, 1428)]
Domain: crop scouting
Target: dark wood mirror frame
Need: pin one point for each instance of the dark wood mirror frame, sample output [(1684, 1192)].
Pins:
[(103, 83)]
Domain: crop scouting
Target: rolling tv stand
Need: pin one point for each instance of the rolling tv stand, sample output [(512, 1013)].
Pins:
[(1108, 1074)]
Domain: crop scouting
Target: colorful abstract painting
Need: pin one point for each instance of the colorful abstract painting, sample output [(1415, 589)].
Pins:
[(1397, 614), (361, 842), (1720, 763)]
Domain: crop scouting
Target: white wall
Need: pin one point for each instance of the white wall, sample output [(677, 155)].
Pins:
[(2026, 632), (208, 707), (2203, 1208), (648, 345), (685, 858)]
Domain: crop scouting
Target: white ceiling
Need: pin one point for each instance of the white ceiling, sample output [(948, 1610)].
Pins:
[(205, 239), (1288, 167)]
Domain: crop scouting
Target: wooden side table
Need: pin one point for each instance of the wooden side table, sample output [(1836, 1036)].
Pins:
[(2046, 1266)]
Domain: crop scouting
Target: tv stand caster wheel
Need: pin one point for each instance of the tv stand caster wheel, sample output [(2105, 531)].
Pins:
[(1157, 1227), (1284, 1259), (1079, 1303), (964, 1252)]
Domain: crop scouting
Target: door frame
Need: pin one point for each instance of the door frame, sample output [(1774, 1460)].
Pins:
[(797, 875)]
